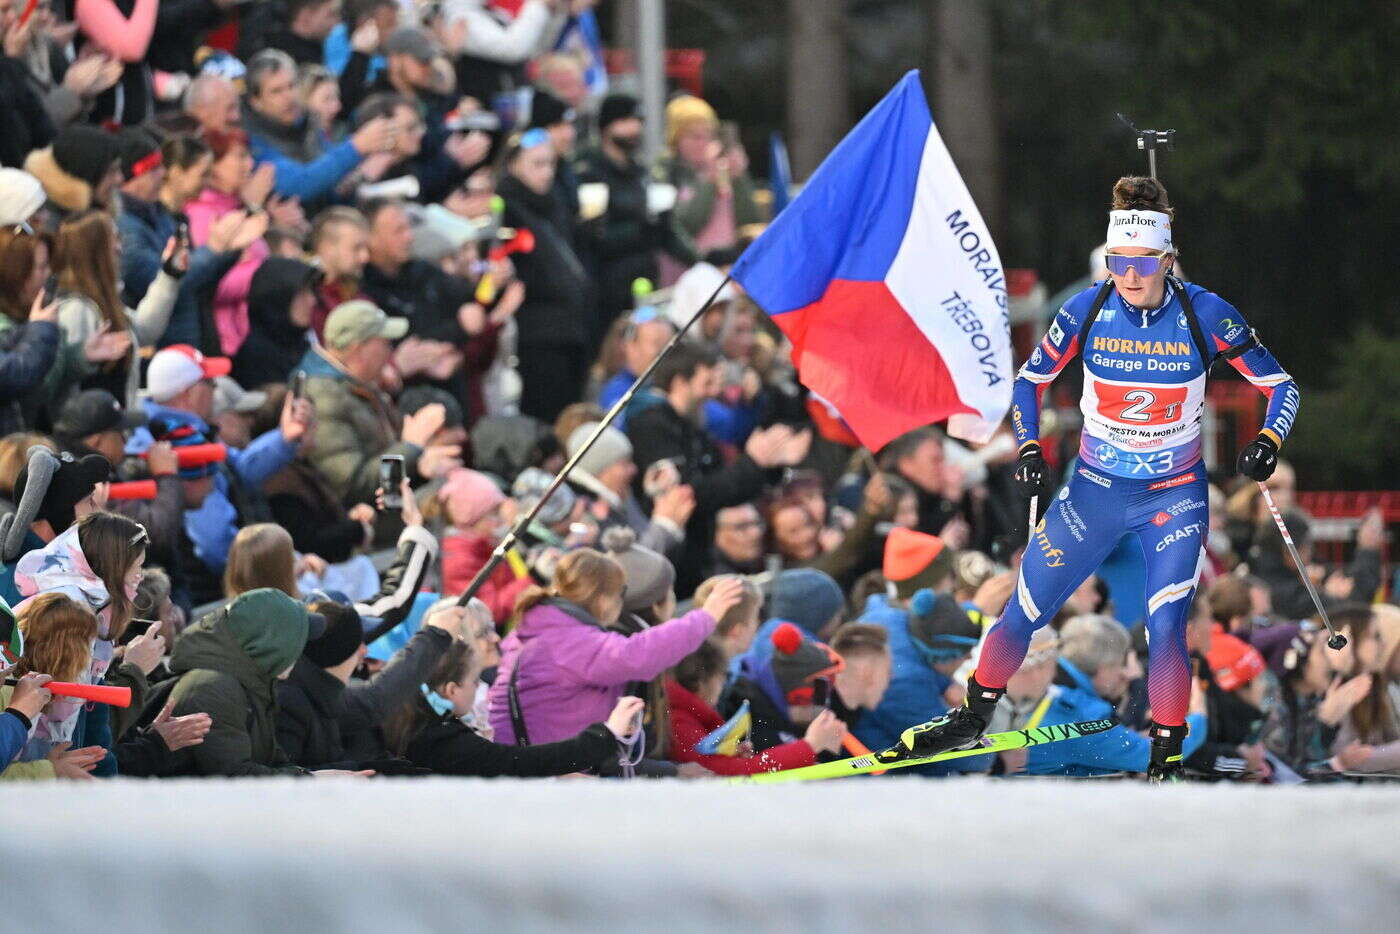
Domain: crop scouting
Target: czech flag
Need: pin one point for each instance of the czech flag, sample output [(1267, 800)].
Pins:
[(884, 277)]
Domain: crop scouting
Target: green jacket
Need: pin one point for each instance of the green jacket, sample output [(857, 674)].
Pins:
[(232, 675), (356, 424), (696, 198)]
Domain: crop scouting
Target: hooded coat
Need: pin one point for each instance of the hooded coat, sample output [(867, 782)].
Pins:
[(274, 345), (572, 670), (227, 666)]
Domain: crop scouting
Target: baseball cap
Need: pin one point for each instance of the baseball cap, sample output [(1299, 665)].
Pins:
[(360, 320), (180, 366), (411, 40), (21, 196), (93, 411), (231, 397)]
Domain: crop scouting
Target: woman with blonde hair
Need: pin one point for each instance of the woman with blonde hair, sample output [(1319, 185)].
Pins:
[(1369, 738), (86, 261), (261, 556), (714, 194), (561, 667)]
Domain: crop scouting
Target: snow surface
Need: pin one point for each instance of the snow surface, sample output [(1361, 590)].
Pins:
[(886, 853)]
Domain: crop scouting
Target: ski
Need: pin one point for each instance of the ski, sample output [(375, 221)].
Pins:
[(894, 758)]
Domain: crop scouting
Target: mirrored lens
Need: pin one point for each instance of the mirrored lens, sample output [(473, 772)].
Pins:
[(1145, 265)]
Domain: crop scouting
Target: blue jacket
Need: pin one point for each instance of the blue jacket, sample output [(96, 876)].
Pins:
[(310, 181), (1117, 750), (13, 736), (145, 227), (212, 527)]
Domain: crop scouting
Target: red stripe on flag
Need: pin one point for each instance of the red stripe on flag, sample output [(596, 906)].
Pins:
[(859, 348)]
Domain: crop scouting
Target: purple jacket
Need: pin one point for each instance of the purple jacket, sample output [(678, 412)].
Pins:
[(574, 671)]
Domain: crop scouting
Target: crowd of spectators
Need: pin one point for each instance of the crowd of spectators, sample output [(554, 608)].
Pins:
[(302, 306)]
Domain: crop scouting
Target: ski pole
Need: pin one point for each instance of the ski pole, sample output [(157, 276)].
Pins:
[(1335, 639)]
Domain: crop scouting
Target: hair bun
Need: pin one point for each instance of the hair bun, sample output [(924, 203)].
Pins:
[(787, 639), (1140, 193), (618, 539)]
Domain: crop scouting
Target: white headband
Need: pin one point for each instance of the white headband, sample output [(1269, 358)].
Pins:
[(1151, 229)]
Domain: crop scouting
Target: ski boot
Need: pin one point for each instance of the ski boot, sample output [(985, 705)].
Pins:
[(960, 728), (1165, 764)]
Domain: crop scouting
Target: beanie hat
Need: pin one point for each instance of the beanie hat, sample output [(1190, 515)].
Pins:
[(914, 561), (140, 152), (21, 196), (343, 636), (85, 152), (530, 486), (612, 446), (470, 495), (1233, 661), (616, 107), (183, 434), (807, 597), (797, 662), (72, 482), (649, 575), (684, 112), (546, 110), (940, 628)]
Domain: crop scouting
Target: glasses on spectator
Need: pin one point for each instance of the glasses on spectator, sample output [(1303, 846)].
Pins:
[(744, 526), (1148, 265)]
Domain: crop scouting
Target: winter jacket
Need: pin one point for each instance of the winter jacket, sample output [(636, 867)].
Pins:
[(25, 123), (463, 556), (659, 432), (1117, 750), (217, 675), (572, 671), (557, 307), (181, 27), (305, 505), (304, 168), (622, 244), (231, 295), (450, 747), (145, 227), (692, 720), (274, 345), (27, 355), (916, 691), (356, 425), (14, 729), (81, 318), (756, 683), (697, 199), (367, 704)]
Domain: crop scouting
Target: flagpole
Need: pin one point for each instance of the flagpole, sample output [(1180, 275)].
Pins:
[(508, 542)]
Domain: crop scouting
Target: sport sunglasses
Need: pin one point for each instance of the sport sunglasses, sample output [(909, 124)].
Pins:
[(1145, 265)]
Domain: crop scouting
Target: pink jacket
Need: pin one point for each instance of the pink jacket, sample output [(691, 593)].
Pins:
[(231, 297), (574, 671)]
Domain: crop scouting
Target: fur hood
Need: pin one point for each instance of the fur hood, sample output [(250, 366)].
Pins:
[(69, 193)]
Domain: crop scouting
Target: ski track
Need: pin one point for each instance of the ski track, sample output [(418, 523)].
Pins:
[(879, 854)]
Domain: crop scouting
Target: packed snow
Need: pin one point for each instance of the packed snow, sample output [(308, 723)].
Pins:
[(876, 854)]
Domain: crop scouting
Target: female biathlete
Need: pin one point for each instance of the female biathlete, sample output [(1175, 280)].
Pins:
[(1147, 342)]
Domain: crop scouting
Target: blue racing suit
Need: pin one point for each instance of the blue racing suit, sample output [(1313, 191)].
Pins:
[(1139, 469)]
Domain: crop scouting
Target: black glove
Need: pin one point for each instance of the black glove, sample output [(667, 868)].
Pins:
[(1258, 459), (1031, 471)]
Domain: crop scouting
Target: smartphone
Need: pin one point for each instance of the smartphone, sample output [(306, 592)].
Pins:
[(821, 692), (182, 233), (390, 480), (50, 289), (299, 385)]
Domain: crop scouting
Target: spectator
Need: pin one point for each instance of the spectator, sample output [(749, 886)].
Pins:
[(308, 24), (365, 25), (623, 242), (319, 91), (807, 598), (30, 339), (76, 487), (94, 422), (861, 685), (471, 504), (693, 693), (322, 713), (736, 633), (917, 457), (781, 692), (281, 298), (161, 183), (58, 634), (606, 473), (85, 264), (280, 134), (428, 730), (125, 36), (554, 321), (212, 101), (360, 424), (552, 115), (666, 429), (643, 338), (738, 541), (261, 556), (340, 249), (1369, 737), (1228, 671), (715, 196), (80, 170), (562, 665)]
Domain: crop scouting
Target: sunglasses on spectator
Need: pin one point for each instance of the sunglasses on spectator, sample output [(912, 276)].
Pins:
[(1145, 265)]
